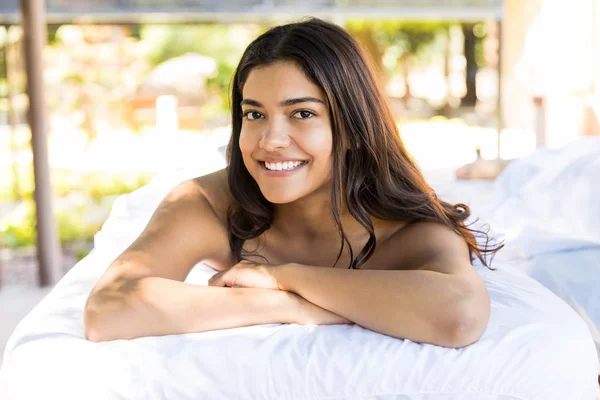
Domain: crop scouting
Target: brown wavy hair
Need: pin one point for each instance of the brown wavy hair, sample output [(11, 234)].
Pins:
[(372, 171)]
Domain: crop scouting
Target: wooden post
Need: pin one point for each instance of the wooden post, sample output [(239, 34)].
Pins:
[(34, 40)]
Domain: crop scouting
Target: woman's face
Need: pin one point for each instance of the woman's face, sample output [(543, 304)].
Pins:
[(286, 138)]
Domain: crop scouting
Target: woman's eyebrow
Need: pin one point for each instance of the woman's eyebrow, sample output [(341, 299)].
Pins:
[(285, 103)]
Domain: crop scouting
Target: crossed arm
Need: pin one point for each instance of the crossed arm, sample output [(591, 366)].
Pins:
[(420, 305), (443, 302)]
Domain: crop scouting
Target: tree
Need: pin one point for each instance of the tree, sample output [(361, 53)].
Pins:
[(224, 43), (470, 41), (408, 38)]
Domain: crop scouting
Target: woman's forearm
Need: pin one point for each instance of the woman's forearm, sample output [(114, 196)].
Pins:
[(152, 306), (420, 305)]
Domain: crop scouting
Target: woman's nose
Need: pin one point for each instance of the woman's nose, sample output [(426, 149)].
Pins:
[(275, 137)]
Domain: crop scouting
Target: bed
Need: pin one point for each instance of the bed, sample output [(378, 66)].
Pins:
[(539, 343)]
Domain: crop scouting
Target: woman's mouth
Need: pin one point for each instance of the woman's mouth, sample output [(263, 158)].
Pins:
[(282, 168)]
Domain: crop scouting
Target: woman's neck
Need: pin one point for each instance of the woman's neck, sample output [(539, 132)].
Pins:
[(312, 219)]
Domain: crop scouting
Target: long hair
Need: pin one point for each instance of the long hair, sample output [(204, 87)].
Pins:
[(371, 170)]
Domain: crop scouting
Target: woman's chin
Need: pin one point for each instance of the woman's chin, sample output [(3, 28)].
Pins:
[(280, 198)]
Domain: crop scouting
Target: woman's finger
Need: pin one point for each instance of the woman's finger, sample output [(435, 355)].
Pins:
[(216, 280)]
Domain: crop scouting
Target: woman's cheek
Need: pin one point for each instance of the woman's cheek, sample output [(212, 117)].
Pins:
[(247, 143), (246, 148), (321, 144), (243, 141)]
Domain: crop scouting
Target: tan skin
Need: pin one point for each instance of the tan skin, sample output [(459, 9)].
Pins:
[(281, 248), (419, 283)]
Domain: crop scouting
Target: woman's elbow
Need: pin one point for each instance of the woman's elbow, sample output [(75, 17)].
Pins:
[(91, 330), (465, 332), (469, 322), (100, 314), (92, 322)]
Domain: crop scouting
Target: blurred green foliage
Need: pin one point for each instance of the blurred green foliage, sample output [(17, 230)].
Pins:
[(224, 43), (18, 229), (410, 40), (21, 230), (408, 37), (94, 186), (480, 33)]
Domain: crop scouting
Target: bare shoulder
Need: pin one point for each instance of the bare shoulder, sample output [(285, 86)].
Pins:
[(215, 190), (185, 229), (430, 245)]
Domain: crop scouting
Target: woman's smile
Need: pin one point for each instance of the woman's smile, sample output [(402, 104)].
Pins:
[(281, 169)]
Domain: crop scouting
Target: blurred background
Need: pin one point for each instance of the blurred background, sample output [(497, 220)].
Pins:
[(135, 87)]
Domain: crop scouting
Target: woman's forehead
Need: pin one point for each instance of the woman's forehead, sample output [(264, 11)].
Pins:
[(278, 82)]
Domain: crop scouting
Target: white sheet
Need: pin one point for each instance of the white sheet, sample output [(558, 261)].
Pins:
[(535, 347), (550, 201), (547, 208)]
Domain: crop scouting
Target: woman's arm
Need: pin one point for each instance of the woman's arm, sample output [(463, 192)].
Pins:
[(443, 301), (142, 291), (153, 306)]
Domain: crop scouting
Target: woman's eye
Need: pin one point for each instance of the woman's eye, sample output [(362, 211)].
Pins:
[(305, 114), (252, 115)]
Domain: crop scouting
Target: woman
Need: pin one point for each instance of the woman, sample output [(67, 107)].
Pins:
[(321, 216)]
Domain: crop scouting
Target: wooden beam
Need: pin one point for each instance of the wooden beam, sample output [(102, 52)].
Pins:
[(198, 15), (34, 40)]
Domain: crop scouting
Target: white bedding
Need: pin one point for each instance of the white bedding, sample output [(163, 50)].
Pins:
[(535, 346), (547, 208)]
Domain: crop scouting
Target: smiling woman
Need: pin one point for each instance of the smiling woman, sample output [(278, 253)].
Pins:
[(317, 177), (306, 93), (294, 131)]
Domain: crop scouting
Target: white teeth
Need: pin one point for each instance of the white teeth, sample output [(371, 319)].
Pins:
[(285, 165)]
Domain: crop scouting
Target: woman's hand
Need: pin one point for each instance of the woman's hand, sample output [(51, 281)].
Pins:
[(246, 274), (307, 313), (253, 275)]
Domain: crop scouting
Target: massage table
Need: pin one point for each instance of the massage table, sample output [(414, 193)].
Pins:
[(539, 343)]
